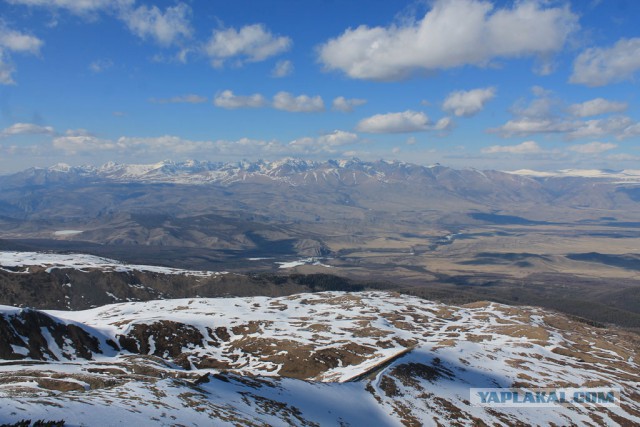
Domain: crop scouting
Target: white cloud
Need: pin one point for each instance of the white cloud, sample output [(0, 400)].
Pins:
[(74, 144), (601, 66), (297, 104), (527, 147), (619, 126), (226, 99), (182, 99), (78, 132), (328, 143), (282, 69), (14, 41), (81, 142), (467, 103), (548, 115), (444, 124), (453, 33), (26, 129), (6, 70), (79, 7), (338, 138), (347, 105), (596, 107), (593, 147), (166, 28), (100, 65), (252, 43), (406, 121), (528, 126)]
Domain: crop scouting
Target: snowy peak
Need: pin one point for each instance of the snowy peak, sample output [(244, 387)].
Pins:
[(627, 175), (294, 171)]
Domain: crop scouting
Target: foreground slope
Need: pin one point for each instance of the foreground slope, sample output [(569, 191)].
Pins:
[(333, 358)]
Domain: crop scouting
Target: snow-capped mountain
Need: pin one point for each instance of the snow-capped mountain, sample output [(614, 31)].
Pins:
[(333, 358), (291, 170), (622, 176)]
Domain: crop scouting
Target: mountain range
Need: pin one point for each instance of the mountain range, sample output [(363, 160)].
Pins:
[(561, 240)]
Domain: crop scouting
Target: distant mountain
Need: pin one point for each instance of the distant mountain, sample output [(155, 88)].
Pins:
[(295, 171), (332, 358), (290, 170), (436, 182), (290, 206), (622, 176)]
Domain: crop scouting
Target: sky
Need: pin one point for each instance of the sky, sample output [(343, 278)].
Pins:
[(487, 84)]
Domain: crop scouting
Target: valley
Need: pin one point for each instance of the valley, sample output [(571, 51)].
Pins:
[(567, 241)]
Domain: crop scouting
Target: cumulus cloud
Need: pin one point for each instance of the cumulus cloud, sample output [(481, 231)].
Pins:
[(600, 66), (182, 99), (338, 138), (593, 147), (597, 106), (468, 103), (527, 147), (346, 105), (227, 99), (545, 114), (74, 144), (326, 142), (621, 127), (14, 41), (403, 122), (26, 129), (453, 33), (82, 142), (297, 104), (252, 43), (444, 124), (531, 125), (282, 69), (166, 28), (406, 121)]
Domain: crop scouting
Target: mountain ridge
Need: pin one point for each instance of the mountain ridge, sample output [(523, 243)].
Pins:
[(211, 171)]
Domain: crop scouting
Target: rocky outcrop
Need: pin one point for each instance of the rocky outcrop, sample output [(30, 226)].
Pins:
[(35, 335)]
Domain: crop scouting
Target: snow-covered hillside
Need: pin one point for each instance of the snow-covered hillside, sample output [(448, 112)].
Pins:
[(84, 262), (369, 358), (623, 176)]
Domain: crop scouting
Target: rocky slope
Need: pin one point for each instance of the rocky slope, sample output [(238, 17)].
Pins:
[(79, 281), (368, 358)]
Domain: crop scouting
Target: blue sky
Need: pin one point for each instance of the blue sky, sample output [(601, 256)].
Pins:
[(537, 84)]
